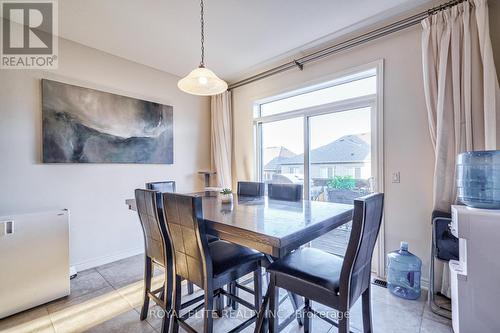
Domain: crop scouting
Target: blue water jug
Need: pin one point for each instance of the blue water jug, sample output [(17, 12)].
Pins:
[(478, 179), (403, 273)]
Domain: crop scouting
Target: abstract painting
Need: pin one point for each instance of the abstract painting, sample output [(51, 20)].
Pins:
[(82, 125)]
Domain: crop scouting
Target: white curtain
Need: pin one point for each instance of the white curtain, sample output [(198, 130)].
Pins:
[(461, 90), (222, 137)]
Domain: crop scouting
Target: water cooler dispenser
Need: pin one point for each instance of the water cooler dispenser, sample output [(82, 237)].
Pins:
[(475, 277)]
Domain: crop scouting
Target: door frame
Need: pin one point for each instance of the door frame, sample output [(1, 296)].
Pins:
[(375, 102)]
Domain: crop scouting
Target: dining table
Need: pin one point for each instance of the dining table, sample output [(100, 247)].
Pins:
[(272, 227)]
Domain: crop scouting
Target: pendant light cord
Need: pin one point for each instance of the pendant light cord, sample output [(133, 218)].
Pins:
[(202, 21)]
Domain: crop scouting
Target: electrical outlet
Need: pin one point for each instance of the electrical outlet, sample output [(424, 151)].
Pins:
[(396, 177)]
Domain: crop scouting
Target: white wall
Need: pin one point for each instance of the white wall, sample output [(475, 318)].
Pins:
[(407, 146), (102, 229)]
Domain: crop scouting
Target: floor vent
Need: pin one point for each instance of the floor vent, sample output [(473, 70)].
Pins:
[(380, 283)]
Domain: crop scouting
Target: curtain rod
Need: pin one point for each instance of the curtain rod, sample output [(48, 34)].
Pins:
[(348, 44)]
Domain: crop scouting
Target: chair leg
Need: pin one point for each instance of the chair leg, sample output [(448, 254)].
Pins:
[(190, 288), (219, 304), (294, 299), (148, 271), (367, 311), (229, 288), (176, 308), (235, 292), (167, 301), (257, 287), (261, 321), (343, 322), (307, 319), (273, 306), (208, 322)]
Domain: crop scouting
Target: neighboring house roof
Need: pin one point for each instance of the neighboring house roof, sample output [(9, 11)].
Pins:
[(347, 149), (281, 154)]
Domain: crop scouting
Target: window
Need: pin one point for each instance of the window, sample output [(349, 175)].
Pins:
[(281, 153), (321, 137), (324, 172), (361, 84)]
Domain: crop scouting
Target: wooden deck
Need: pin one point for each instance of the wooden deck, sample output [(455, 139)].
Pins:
[(335, 241)]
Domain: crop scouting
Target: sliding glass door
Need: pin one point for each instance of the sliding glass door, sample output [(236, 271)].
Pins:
[(326, 137), (340, 166), (283, 153)]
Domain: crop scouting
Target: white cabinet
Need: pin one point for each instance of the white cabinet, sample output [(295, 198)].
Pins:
[(34, 259), (475, 277)]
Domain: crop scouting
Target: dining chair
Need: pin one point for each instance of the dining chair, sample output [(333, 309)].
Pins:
[(326, 278), (210, 266), (169, 186), (162, 187), (158, 252), (251, 189), (286, 192)]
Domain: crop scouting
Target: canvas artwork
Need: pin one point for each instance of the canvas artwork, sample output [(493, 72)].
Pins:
[(82, 125)]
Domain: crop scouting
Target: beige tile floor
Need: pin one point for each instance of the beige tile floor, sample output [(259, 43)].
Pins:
[(108, 299)]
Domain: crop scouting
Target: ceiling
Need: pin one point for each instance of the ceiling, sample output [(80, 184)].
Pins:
[(240, 34)]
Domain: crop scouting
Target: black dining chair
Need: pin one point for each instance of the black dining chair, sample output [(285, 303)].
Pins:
[(286, 192), (246, 189), (251, 189), (162, 187), (157, 252), (210, 266), (328, 279), (169, 186)]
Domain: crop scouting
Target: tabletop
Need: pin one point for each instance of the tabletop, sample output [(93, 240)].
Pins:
[(273, 227)]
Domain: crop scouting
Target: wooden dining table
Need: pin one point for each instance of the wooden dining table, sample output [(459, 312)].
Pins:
[(273, 227)]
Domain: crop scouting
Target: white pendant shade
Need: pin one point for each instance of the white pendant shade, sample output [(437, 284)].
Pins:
[(203, 82)]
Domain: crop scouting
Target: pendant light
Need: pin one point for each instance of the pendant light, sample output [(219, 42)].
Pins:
[(202, 81)]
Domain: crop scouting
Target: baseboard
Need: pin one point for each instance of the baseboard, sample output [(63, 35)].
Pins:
[(98, 261), (424, 283)]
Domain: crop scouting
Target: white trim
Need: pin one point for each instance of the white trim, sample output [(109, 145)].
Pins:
[(299, 88), (307, 160), (376, 102), (339, 106), (380, 182), (336, 81), (106, 259)]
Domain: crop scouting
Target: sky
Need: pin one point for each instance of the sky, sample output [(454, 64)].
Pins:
[(323, 128)]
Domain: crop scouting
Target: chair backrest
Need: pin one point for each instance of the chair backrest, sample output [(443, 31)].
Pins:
[(251, 189), (287, 192), (356, 270), (162, 187), (155, 234), (186, 229)]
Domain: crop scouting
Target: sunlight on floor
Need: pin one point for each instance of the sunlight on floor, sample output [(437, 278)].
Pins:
[(83, 316)]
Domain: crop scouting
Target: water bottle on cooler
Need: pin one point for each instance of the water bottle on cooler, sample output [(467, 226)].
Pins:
[(403, 273)]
